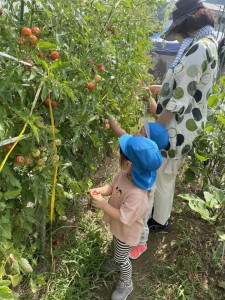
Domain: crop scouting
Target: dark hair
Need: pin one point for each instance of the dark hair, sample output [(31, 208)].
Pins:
[(202, 17)]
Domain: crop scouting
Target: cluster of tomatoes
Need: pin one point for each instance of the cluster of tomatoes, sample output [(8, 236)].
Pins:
[(29, 36), (97, 78), (48, 102)]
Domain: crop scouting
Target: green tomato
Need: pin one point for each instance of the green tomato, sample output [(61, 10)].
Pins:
[(36, 153)]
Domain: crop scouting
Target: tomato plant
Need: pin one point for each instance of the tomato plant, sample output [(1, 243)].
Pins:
[(65, 70)]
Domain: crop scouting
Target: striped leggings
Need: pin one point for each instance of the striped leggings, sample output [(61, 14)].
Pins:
[(121, 257)]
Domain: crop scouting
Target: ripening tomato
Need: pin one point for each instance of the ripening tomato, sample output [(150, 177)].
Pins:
[(27, 161), (54, 55), (90, 86), (21, 41), (106, 124), (36, 31), (19, 159), (40, 119), (40, 162), (55, 158), (97, 78), (26, 31), (32, 40)]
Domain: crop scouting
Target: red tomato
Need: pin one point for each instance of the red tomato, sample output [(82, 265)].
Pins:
[(101, 68), (8, 147), (40, 55), (53, 104), (54, 55), (47, 101), (26, 31), (32, 40), (36, 31), (19, 159), (90, 86)]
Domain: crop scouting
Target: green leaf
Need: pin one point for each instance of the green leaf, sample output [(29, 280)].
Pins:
[(222, 284), (6, 293), (221, 234), (189, 175), (221, 118), (35, 131), (200, 157), (5, 282), (75, 187), (209, 128), (197, 204), (2, 271), (70, 93), (2, 131), (58, 65), (12, 194), (15, 279), (45, 45), (213, 100), (6, 230)]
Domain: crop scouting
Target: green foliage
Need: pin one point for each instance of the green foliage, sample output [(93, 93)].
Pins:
[(107, 38)]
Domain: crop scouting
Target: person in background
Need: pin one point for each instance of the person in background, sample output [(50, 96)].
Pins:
[(182, 104), (128, 204)]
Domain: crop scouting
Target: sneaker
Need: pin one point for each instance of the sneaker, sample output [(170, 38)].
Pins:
[(156, 227), (136, 251), (122, 291), (111, 266)]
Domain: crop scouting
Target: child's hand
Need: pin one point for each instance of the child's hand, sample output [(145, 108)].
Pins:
[(95, 191), (155, 88), (98, 201)]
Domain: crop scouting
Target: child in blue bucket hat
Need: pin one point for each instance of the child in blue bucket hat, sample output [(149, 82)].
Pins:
[(140, 158), (157, 133)]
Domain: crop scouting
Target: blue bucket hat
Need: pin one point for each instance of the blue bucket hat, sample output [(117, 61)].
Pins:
[(157, 133), (145, 157)]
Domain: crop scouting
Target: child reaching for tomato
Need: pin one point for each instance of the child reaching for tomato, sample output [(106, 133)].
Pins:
[(158, 134), (128, 204)]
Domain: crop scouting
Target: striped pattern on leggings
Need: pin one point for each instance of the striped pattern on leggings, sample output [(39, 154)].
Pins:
[(121, 257)]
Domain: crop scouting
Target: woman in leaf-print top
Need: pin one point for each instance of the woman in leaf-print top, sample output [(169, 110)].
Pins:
[(182, 105)]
